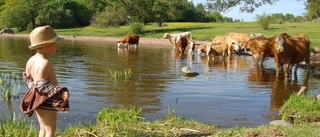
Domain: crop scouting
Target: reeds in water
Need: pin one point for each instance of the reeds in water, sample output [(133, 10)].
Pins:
[(9, 85), (116, 74)]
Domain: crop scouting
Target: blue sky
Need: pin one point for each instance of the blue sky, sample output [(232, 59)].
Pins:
[(294, 7)]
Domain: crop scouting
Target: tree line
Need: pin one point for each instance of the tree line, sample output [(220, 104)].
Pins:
[(27, 14)]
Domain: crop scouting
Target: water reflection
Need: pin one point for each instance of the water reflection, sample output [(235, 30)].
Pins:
[(226, 92)]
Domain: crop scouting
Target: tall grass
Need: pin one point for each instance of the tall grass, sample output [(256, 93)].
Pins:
[(16, 128)]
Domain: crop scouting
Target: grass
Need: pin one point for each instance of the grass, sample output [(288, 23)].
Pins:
[(121, 122), (16, 128), (295, 109)]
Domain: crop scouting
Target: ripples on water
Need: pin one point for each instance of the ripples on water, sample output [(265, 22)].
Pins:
[(231, 93)]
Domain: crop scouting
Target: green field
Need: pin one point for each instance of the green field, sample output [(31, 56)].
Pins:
[(203, 31)]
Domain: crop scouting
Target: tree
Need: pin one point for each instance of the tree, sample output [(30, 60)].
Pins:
[(277, 18), (246, 5), (313, 8), (289, 17), (160, 12)]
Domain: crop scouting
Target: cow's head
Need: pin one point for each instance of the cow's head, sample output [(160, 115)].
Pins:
[(202, 48), (166, 35), (208, 49), (279, 44), (118, 43)]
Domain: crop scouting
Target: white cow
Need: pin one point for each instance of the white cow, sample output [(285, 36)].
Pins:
[(174, 37)]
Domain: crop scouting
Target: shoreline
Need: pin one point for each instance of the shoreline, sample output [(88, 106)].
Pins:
[(150, 42), (147, 42)]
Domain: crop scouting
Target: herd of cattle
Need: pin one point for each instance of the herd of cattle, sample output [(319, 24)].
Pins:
[(286, 50)]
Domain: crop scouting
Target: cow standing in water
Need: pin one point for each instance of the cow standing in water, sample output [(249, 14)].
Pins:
[(291, 50), (181, 44), (129, 40), (174, 37)]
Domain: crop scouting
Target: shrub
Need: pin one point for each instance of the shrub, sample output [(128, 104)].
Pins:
[(136, 27), (264, 20)]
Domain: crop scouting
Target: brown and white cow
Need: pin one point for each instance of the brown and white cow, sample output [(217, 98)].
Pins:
[(191, 47), (203, 48), (291, 50), (256, 35), (129, 40), (242, 38), (181, 43), (173, 37), (219, 46)]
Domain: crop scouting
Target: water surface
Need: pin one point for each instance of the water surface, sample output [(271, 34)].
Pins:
[(227, 93)]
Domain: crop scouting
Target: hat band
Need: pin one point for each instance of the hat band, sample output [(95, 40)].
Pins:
[(54, 39)]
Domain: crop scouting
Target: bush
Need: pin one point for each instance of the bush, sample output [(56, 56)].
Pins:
[(136, 27), (264, 20)]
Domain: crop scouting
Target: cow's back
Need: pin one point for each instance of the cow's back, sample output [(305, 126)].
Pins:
[(134, 39), (302, 48), (241, 37)]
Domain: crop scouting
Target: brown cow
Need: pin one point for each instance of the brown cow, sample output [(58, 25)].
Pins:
[(226, 41), (261, 48), (129, 40), (291, 50), (181, 43)]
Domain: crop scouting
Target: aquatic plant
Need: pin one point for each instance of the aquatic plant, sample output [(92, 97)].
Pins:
[(116, 74), (9, 85)]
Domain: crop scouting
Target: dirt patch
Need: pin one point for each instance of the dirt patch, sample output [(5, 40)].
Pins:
[(265, 133)]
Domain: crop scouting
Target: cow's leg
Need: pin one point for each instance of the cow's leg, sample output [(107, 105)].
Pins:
[(136, 46), (277, 70), (286, 71), (263, 57)]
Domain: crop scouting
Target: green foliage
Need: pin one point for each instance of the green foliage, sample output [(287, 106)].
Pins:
[(301, 109), (245, 5), (313, 6), (136, 27), (110, 17), (264, 20)]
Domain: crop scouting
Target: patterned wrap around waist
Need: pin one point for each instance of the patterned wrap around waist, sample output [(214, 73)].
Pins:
[(42, 94)]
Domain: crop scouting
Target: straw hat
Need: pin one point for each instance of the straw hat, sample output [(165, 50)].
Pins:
[(41, 36)]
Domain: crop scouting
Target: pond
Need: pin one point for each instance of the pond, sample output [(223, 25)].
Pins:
[(228, 93)]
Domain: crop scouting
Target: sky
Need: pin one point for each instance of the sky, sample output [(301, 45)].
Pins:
[(294, 7)]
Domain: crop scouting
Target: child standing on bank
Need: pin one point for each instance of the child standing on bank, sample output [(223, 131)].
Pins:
[(44, 96)]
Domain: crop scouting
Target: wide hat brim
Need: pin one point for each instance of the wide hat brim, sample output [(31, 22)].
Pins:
[(42, 36), (43, 44)]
